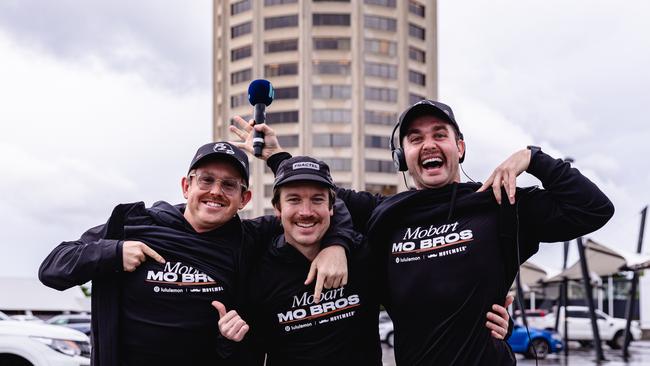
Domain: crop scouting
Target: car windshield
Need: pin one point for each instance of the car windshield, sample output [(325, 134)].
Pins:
[(3, 316)]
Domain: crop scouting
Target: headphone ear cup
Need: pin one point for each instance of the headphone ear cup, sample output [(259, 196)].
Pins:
[(399, 159)]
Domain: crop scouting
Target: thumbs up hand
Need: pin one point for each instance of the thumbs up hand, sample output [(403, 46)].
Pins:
[(231, 325)]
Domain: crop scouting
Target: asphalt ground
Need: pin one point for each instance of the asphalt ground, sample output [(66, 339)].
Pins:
[(578, 356)]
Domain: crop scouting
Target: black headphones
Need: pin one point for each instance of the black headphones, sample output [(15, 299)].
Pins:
[(399, 159)]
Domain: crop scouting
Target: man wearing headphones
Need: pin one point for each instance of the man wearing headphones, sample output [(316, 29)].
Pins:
[(448, 250)]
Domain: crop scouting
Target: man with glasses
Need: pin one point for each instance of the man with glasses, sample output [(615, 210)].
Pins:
[(158, 311)]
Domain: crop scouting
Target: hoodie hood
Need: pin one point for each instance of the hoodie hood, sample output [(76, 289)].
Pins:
[(168, 215)]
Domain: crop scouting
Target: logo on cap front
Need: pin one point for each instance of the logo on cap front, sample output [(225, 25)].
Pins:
[(223, 148), (305, 165)]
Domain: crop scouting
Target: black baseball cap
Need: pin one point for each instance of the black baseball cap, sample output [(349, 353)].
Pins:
[(222, 150), (303, 168), (427, 107)]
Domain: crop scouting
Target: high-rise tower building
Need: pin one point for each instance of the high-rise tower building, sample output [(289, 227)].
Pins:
[(342, 72)]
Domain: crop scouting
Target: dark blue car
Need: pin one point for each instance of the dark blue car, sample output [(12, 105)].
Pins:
[(544, 341)]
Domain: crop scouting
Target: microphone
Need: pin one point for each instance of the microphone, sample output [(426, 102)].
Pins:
[(260, 95)]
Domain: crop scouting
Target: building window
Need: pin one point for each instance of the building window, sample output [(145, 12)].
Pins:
[(281, 46), (415, 31), (241, 52), (332, 92), (381, 94), (331, 43), (332, 67), (278, 2), (332, 140), (331, 116), (339, 164), (380, 118), (290, 92), (382, 189), (386, 3), (414, 98), (282, 117), (381, 47), (238, 99), (416, 8), (288, 140), (381, 70), (240, 7), (240, 76), (417, 78), (331, 19), (281, 69), (240, 29), (380, 23), (380, 166), (416, 54), (377, 142), (283, 21)]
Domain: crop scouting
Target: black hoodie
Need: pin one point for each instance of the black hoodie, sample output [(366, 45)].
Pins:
[(223, 254), (444, 256)]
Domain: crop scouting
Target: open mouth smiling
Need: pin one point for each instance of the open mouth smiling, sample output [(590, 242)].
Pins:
[(432, 163)]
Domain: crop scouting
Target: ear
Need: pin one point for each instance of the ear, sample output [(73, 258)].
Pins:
[(185, 186), (245, 198), (461, 148)]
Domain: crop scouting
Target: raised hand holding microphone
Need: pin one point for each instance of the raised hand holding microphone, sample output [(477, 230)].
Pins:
[(260, 95)]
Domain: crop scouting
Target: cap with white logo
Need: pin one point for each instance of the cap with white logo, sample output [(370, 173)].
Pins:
[(303, 168), (222, 150), (427, 107)]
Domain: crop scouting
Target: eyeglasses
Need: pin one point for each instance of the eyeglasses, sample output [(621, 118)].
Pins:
[(228, 186)]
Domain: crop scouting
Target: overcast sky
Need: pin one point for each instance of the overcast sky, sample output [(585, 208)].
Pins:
[(105, 102)]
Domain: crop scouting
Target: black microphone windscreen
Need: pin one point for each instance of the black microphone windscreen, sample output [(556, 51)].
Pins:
[(260, 91)]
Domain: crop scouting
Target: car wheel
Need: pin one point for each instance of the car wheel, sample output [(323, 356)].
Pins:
[(618, 341), (542, 348), (13, 360), (390, 339)]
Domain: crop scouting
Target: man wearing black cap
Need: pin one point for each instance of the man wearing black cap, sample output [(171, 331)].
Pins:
[(286, 323), (448, 250), (148, 312)]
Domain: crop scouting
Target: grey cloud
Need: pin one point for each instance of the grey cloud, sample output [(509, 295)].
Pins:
[(166, 42)]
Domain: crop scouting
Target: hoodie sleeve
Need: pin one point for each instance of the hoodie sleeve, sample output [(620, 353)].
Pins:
[(361, 205), (341, 231), (74, 263), (569, 206)]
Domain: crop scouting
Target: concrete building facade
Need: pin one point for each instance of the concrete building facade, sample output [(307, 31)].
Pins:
[(342, 71)]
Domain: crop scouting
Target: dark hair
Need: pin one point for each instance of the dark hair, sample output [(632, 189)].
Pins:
[(275, 201)]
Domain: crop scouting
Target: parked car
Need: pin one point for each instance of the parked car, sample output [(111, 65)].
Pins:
[(37, 344), (78, 322), (541, 342), (26, 318), (611, 330), (536, 318), (386, 329)]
